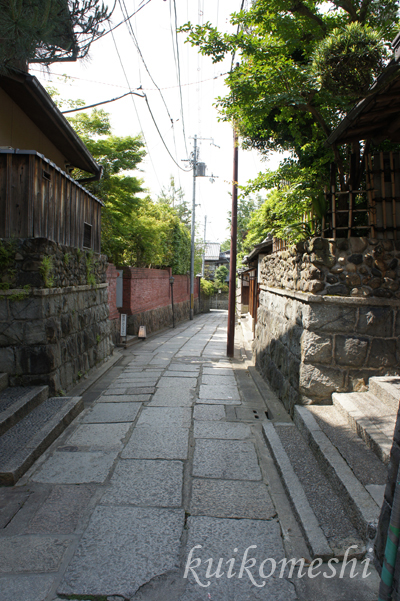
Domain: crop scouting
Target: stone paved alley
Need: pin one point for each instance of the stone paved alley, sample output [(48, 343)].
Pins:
[(168, 455)]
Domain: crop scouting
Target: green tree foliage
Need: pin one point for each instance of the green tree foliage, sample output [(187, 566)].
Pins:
[(135, 231), (302, 66), (48, 31), (175, 198), (221, 273)]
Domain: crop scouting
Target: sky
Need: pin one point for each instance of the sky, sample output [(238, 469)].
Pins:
[(180, 112)]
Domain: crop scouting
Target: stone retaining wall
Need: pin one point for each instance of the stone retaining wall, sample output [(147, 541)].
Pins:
[(308, 346), (359, 267), (53, 336), (41, 263)]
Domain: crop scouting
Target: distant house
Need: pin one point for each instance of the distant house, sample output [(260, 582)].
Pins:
[(248, 287), (38, 151), (213, 258)]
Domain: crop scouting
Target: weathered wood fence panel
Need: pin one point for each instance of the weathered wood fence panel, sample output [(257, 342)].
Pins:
[(39, 200)]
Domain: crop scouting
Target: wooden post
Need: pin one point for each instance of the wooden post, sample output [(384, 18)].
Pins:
[(230, 351)]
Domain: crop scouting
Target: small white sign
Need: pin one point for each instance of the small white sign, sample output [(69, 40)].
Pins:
[(123, 325)]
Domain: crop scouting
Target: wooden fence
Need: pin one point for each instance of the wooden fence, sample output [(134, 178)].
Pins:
[(39, 200), (373, 210)]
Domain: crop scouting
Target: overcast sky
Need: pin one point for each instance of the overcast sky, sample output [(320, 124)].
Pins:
[(105, 75)]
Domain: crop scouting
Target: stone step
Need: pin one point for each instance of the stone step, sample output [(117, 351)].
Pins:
[(372, 419), (22, 444), (352, 468), (3, 381), (327, 528), (387, 389), (17, 402)]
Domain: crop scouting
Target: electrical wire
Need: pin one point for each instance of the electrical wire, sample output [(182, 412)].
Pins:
[(179, 76), (134, 39), (114, 85), (121, 22), (90, 106), (134, 104), (151, 114), (162, 139), (237, 31)]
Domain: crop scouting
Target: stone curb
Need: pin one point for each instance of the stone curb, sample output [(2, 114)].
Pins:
[(373, 437), (315, 538), (360, 505), (276, 410)]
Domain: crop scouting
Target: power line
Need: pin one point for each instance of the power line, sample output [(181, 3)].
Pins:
[(162, 139), (104, 83), (179, 76), (134, 104), (134, 39), (237, 31), (90, 106), (121, 22), (152, 116)]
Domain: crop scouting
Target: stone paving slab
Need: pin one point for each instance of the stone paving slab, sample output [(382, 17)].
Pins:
[(62, 510), (125, 398), (149, 483), (141, 390), (229, 393), (218, 380), (19, 554), (209, 412), (76, 467), (165, 417), (227, 459), (231, 499), (217, 371), (229, 539), (172, 397), (99, 436), (180, 374), (11, 501), (222, 430), (122, 549), (112, 412), (157, 443), (183, 367), (183, 383), (34, 587), (218, 402)]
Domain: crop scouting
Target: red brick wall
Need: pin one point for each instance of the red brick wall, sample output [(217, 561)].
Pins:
[(112, 274), (147, 289)]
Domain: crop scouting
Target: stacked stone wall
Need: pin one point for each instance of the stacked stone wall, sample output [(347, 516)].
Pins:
[(53, 336), (41, 263), (310, 345), (358, 267)]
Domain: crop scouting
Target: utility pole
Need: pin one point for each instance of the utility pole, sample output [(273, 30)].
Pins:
[(199, 170), (230, 350), (204, 249), (194, 163)]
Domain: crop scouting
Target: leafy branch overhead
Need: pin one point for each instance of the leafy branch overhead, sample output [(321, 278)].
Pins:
[(135, 230), (303, 65), (48, 31)]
